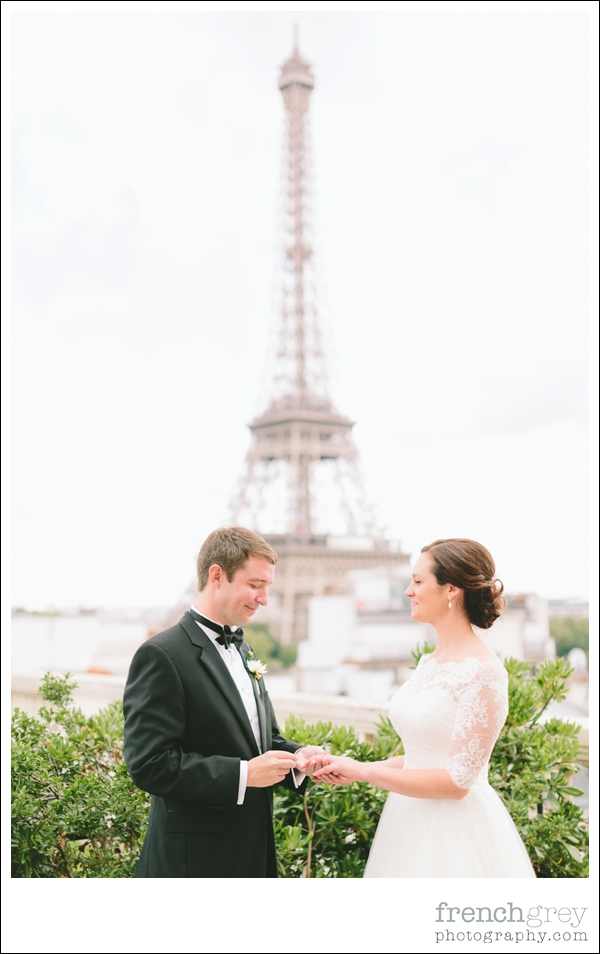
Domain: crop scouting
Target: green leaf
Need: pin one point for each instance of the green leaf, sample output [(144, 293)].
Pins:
[(575, 853)]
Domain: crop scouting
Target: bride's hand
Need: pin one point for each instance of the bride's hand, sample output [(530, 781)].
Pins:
[(338, 770)]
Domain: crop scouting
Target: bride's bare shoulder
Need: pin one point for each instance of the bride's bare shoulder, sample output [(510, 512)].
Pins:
[(482, 654), (488, 655)]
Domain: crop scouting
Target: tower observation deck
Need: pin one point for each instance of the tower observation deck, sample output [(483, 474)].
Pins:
[(301, 487)]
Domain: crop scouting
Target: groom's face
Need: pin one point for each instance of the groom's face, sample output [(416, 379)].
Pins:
[(240, 598)]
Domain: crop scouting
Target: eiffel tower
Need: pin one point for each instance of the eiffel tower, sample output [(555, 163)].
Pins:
[(301, 487)]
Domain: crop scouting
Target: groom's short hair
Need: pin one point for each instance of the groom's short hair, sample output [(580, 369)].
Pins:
[(230, 548)]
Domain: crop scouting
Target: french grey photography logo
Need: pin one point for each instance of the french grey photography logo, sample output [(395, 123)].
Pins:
[(512, 923)]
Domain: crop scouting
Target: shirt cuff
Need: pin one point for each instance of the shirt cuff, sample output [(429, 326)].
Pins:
[(243, 782), (298, 777)]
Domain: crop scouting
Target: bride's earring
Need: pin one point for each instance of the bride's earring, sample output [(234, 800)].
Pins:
[(449, 604)]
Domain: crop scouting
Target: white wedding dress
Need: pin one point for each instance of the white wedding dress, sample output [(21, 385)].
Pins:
[(449, 716)]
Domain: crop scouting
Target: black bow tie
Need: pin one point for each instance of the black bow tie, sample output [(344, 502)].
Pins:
[(226, 635)]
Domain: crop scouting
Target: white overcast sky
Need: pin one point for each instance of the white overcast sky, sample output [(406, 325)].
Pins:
[(451, 159)]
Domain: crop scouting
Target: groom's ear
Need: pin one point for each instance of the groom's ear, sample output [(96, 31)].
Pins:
[(216, 575)]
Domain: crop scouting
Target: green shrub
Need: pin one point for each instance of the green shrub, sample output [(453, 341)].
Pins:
[(531, 768), (76, 813)]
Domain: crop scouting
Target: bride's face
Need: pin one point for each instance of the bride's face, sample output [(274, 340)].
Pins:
[(428, 600)]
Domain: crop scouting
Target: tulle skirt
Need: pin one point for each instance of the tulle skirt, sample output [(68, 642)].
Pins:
[(443, 838)]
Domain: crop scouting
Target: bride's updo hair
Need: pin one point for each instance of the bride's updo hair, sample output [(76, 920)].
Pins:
[(467, 565)]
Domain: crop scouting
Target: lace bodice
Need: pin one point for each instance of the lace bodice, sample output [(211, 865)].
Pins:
[(449, 715)]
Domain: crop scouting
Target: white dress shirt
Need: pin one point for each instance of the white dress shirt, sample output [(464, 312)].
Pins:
[(243, 681)]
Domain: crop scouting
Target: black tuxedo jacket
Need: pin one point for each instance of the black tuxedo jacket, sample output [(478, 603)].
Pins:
[(186, 731)]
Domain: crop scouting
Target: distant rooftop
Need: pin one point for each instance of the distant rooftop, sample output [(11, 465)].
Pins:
[(571, 606)]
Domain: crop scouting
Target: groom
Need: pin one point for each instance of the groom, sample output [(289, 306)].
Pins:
[(200, 732)]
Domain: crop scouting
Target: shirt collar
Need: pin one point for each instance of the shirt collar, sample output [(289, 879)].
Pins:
[(196, 610)]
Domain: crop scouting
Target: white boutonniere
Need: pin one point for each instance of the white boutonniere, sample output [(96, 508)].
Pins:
[(255, 666)]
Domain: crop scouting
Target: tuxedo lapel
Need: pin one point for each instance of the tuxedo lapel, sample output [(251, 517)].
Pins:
[(258, 689), (214, 666)]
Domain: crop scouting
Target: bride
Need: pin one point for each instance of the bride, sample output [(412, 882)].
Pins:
[(442, 818)]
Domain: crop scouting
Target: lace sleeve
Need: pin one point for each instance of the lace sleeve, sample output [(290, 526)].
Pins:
[(481, 713)]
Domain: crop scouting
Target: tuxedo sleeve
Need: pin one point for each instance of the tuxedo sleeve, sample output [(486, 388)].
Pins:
[(154, 710), (283, 745)]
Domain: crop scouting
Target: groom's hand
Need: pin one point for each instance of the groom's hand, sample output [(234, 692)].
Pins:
[(269, 769)]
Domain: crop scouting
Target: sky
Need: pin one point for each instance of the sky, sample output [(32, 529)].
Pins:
[(451, 177)]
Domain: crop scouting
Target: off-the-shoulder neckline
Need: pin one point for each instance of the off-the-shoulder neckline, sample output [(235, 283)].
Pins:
[(494, 661)]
